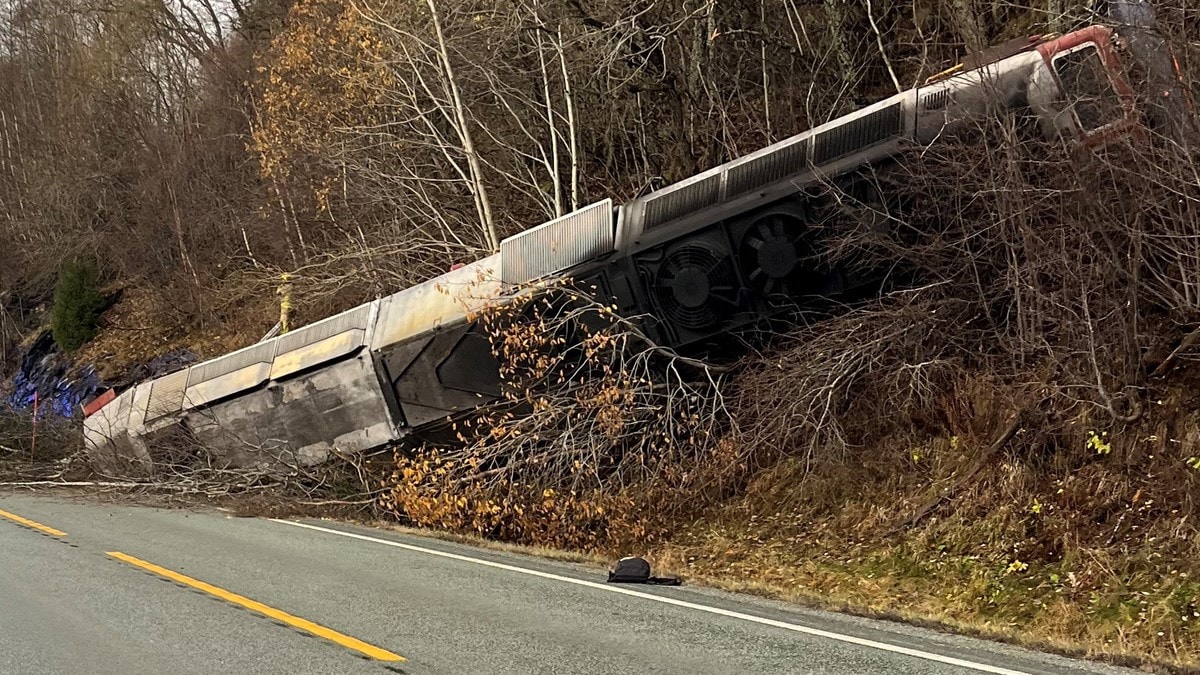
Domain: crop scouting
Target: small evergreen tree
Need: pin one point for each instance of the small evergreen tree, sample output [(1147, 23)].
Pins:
[(78, 303)]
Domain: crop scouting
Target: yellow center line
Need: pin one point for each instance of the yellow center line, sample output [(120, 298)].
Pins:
[(279, 615), (29, 523)]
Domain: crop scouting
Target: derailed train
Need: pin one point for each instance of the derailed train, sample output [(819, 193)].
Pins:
[(701, 257)]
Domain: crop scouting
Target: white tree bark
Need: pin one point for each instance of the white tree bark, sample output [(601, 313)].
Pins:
[(479, 188), (552, 166), (572, 131)]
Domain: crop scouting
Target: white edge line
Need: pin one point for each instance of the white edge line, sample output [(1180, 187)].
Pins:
[(882, 646)]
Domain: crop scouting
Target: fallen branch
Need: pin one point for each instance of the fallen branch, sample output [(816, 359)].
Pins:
[(85, 483), (1188, 341), (339, 502), (196, 489)]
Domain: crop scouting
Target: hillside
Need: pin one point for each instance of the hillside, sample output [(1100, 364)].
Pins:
[(200, 154)]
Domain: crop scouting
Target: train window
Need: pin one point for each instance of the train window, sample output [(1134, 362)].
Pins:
[(1086, 85)]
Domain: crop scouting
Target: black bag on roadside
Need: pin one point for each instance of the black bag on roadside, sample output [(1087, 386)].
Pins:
[(634, 570)]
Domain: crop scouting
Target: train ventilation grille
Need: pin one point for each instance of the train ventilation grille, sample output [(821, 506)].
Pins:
[(767, 169), (937, 100), (674, 203), (858, 134)]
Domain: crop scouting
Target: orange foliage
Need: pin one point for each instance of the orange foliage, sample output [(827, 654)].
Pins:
[(592, 520), (325, 70), (592, 447)]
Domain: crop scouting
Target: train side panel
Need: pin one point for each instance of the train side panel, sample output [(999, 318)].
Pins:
[(108, 441), (286, 401), (300, 420)]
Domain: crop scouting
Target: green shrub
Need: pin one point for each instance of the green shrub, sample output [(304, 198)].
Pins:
[(78, 303)]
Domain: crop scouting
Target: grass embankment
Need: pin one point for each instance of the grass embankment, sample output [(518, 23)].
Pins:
[(1137, 598), (146, 324), (1090, 552), (29, 452)]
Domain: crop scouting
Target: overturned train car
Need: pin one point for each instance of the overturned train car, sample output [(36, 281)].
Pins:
[(702, 257)]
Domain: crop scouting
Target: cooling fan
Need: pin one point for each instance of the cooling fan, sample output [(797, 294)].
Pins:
[(696, 286), (772, 252)]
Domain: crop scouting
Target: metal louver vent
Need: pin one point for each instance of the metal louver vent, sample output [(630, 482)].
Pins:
[(262, 352), (557, 245), (326, 328), (858, 134), (937, 100), (124, 404), (767, 169), (674, 203), (166, 395)]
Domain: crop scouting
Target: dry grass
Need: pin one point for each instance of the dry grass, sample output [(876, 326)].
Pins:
[(887, 598), (146, 323), (1095, 557)]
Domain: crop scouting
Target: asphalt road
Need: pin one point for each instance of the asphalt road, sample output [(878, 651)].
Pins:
[(93, 588)]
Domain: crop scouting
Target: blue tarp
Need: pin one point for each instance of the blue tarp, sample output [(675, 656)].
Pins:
[(60, 392), (61, 388)]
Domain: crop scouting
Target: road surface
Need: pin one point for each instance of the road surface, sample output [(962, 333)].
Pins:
[(98, 588)]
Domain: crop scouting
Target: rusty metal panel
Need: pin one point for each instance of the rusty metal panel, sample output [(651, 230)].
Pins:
[(166, 395), (438, 302), (559, 244)]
